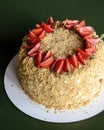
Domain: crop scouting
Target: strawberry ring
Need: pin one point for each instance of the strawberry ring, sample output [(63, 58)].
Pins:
[(60, 64)]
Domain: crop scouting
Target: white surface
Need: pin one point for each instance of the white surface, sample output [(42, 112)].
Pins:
[(35, 110)]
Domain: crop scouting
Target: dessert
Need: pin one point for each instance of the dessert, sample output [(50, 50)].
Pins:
[(61, 64)]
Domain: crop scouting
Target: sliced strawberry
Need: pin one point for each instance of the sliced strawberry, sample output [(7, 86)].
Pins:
[(88, 44), (87, 37), (31, 35), (51, 21), (83, 31), (83, 53), (28, 46), (80, 58), (74, 22), (33, 54), (37, 31), (32, 40), (38, 26), (58, 68), (67, 65), (81, 24), (93, 41), (42, 35), (46, 63), (39, 58), (91, 50), (69, 26), (48, 54), (46, 27), (34, 49), (74, 61)]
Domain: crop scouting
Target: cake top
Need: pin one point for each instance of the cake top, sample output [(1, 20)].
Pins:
[(61, 45)]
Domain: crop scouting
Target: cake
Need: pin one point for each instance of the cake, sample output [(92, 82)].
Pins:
[(61, 64)]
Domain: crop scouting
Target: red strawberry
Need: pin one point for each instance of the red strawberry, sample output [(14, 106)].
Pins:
[(46, 63), (80, 58), (93, 41), (39, 58), (37, 31), (32, 40), (51, 22), (31, 35), (34, 49), (48, 54), (28, 46), (33, 54), (67, 65), (83, 31), (69, 26), (38, 25), (42, 35), (58, 68), (88, 45), (91, 50), (83, 53), (74, 22), (46, 27), (87, 37), (81, 24), (74, 61)]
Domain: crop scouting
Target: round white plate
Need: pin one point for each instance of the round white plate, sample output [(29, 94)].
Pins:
[(35, 110)]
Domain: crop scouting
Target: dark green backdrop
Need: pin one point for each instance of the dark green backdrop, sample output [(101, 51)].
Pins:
[(16, 16)]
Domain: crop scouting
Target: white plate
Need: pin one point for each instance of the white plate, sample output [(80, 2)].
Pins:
[(35, 110)]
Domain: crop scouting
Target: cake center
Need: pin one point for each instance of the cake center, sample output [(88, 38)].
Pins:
[(62, 42)]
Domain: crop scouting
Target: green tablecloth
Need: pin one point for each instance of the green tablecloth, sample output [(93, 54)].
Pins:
[(16, 16)]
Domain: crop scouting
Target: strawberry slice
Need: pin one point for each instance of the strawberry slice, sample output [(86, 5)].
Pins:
[(34, 49), (46, 63), (28, 46), (33, 54), (81, 24), (31, 35), (37, 31), (83, 53), (83, 31), (48, 54), (67, 65), (39, 58), (93, 41), (74, 22), (58, 68), (38, 26), (80, 58), (46, 27), (88, 44), (91, 50), (32, 40), (51, 21), (87, 37), (69, 26), (42, 35), (74, 61)]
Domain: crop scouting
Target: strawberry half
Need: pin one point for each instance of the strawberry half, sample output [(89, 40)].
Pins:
[(93, 41), (69, 26), (88, 45), (33, 54), (80, 58), (83, 31), (37, 31), (74, 22), (34, 49), (51, 21), (81, 24), (74, 61), (48, 54), (42, 35), (83, 53), (31, 35), (91, 50), (46, 63), (67, 65), (46, 27), (58, 68)]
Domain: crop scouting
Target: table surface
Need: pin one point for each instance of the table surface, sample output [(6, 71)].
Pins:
[(17, 16)]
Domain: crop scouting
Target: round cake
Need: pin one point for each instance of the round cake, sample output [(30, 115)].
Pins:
[(61, 64)]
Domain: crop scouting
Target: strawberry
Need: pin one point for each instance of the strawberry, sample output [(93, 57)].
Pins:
[(74, 22), (37, 31), (34, 49), (83, 31), (42, 35), (31, 35), (74, 61), (67, 65), (28, 46), (80, 58), (91, 50), (87, 37), (32, 40), (93, 41), (83, 53), (48, 54), (69, 26), (58, 68), (51, 22), (46, 63), (46, 27), (33, 54), (81, 24), (39, 58), (38, 25), (88, 44)]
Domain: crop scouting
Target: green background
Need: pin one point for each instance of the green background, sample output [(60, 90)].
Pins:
[(16, 16)]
